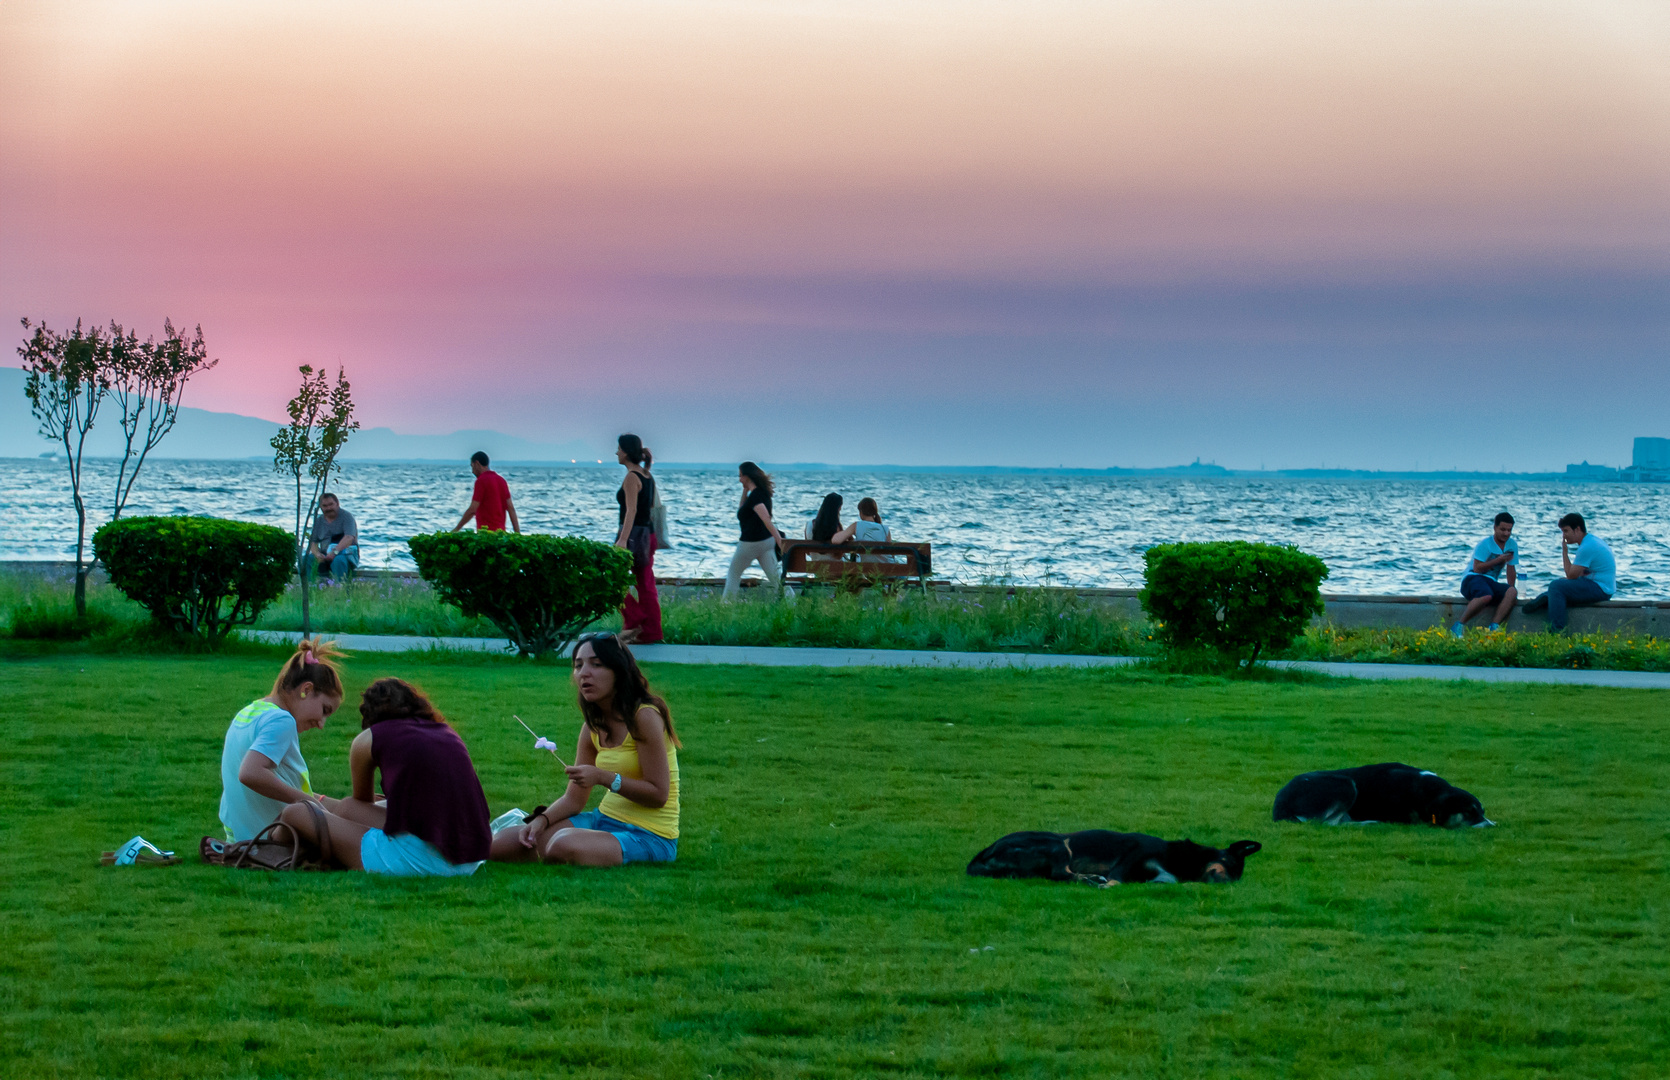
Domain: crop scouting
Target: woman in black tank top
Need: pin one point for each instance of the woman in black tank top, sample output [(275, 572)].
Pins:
[(640, 614)]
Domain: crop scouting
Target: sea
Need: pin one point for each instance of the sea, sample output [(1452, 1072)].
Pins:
[(1385, 536)]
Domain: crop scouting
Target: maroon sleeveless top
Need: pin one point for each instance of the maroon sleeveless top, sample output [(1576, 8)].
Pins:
[(432, 788)]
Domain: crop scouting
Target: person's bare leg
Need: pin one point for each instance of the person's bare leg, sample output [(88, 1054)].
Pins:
[(1505, 608), (508, 847), (371, 815), (1474, 606), (582, 847), (345, 835)]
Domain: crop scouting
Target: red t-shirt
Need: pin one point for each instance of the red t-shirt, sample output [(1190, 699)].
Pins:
[(491, 494)]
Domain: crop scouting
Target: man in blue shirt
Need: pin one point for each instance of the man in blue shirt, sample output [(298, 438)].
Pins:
[(1480, 582), (1591, 573)]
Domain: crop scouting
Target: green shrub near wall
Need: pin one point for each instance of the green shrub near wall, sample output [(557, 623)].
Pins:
[(1233, 600), (197, 575), (540, 591)]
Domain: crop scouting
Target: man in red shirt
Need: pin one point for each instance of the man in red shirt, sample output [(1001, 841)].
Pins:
[(490, 501)]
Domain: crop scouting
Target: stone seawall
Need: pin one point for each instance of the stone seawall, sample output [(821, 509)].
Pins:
[(1350, 610)]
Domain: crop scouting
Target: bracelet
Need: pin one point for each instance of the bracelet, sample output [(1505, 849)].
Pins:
[(541, 814)]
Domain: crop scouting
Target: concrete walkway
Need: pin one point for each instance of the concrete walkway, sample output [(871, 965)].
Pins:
[(772, 656)]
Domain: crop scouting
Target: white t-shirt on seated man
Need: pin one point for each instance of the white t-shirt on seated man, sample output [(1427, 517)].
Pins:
[(1594, 556)]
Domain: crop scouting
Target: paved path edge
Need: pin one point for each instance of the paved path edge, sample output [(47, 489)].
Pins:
[(778, 656)]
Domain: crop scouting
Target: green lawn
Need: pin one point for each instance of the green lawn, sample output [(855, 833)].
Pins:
[(818, 921)]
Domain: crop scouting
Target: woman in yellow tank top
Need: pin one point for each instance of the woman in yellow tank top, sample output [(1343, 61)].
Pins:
[(627, 747)]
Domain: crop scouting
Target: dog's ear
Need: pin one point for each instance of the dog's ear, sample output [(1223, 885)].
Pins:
[(1243, 848)]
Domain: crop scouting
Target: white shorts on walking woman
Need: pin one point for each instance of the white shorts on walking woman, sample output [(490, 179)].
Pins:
[(749, 552)]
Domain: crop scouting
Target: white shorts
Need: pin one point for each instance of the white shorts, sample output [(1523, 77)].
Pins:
[(408, 856)]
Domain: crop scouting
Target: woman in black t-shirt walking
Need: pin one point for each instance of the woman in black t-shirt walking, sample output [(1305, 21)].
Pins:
[(640, 613), (760, 538)]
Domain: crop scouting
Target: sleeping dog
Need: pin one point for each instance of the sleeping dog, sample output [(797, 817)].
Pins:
[(1389, 792), (1103, 858)]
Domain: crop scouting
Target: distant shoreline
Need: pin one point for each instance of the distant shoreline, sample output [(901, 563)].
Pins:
[(1191, 472)]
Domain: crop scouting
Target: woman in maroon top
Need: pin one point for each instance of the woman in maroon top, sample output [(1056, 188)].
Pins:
[(434, 823)]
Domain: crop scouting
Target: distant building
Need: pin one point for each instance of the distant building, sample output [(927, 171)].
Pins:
[(1586, 471), (1652, 461)]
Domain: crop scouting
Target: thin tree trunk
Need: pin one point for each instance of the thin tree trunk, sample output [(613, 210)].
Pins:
[(301, 568), (80, 548)]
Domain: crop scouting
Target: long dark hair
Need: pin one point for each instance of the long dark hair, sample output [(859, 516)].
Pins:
[(759, 476), (636, 452), (631, 692), (395, 699), (828, 521)]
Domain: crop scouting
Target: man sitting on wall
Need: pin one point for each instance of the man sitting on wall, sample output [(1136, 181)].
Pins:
[(336, 539), (1591, 573), (1481, 584)]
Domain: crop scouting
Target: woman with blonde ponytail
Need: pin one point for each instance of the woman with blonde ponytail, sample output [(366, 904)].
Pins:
[(261, 765)]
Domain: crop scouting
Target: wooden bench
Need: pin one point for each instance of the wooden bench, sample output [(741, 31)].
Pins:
[(854, 564)]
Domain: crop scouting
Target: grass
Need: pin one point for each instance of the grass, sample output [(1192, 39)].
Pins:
[(976, 621), (375, 605), (1484, 648), (37, 606), (818, 922)]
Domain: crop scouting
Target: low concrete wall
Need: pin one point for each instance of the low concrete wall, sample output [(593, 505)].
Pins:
[(1350, 610), (1342, 609)]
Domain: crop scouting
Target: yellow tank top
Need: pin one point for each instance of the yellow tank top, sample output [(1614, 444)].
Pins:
[(624, 760)]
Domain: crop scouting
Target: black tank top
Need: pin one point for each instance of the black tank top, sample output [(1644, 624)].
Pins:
[(646, 499)]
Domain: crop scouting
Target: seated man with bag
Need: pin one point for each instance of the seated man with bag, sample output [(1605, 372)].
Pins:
[(336, 538)]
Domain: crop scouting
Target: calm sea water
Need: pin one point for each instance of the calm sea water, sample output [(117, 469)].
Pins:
[(1388, 536)]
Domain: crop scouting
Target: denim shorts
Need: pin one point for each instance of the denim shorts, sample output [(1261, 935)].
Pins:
[(637, 844), (406, 855), (1477, 587)]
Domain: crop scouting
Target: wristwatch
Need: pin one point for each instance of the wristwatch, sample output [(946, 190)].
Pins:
[(615, 787)]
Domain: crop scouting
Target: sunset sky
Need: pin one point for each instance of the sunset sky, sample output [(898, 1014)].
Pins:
[(1284, 234)]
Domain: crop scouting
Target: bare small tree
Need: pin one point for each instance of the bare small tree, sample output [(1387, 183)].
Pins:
[(68, 378), (147, 382), (321, 419)]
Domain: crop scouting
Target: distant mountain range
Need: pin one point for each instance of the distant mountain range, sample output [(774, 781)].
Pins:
[(201, 434)]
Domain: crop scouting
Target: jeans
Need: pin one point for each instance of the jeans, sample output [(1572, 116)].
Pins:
[(748, 551), (339, 567), (1571, 592)]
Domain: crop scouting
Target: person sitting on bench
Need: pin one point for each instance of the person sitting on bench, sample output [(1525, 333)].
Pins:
[(1481, 584), (868, 529), (336, 540), (1591, 573)]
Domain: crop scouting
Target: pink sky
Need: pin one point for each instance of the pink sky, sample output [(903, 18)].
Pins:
[(864, 232)]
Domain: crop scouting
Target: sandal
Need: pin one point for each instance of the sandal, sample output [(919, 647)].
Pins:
[(268, 850), (138, 852)]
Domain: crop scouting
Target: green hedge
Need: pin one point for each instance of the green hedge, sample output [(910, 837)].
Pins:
[(540, 591), (1233, 599), (197, 575)]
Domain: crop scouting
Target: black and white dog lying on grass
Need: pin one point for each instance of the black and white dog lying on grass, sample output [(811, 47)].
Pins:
[(1389, 792), (1103, 858)]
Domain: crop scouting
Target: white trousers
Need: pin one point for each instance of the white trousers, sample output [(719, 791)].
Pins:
[(748, 552)]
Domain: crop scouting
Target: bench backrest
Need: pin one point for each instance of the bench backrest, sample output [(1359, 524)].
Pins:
[(849, 560)]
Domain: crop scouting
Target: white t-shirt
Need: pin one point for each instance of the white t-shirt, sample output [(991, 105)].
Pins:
[(267, 729), (870, 532), (1593, 554), (1488, 549)]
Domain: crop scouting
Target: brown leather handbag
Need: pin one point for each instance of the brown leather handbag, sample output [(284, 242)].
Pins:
[(267, 851)]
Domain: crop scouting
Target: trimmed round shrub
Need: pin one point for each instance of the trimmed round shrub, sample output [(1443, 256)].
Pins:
[(1233, 599), (540, 591), (197, 575)]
